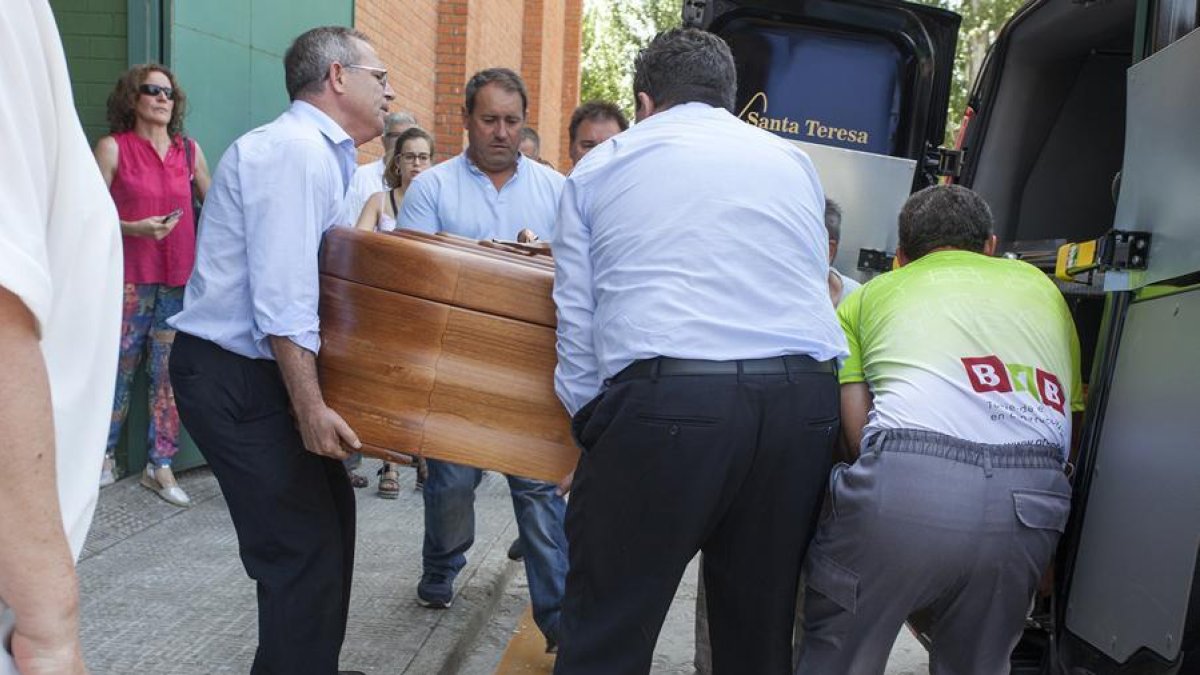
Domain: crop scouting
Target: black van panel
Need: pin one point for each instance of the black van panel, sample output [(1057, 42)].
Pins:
[(850, 96), (867, 75)]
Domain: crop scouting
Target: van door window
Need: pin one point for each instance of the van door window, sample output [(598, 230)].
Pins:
[(1173, 20)]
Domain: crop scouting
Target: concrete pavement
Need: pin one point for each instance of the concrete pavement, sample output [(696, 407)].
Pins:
[(164, 591)]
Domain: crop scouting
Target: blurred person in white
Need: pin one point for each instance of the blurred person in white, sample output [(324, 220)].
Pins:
[(60, 315), (368, 178)]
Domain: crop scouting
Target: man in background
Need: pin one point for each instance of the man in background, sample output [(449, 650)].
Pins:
[(60, 315), (840, 285), (531, 144), (490, 190), (591, 124)]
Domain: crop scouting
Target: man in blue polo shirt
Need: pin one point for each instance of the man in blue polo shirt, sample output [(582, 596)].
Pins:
[(490, 191)]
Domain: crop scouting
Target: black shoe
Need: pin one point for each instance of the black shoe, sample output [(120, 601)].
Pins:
[(515, 550), (435, 591), (551, 646)]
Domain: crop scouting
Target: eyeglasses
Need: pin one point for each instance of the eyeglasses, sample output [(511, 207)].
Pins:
[(416, 157), (380, 74), (155, 90)]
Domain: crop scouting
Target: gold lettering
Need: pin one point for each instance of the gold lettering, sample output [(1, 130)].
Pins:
[(785, 125), (817, 129)]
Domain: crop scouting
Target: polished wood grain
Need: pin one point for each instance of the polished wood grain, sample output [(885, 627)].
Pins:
[(435, 349)]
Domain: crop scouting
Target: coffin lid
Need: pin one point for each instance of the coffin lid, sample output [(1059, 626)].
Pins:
[(447, 269)]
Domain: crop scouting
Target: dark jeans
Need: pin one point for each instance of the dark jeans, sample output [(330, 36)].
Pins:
[(293, 511), (449, 494), (734, 465)]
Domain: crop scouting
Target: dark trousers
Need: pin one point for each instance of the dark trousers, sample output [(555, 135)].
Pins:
[(734, 465), (294, 511)]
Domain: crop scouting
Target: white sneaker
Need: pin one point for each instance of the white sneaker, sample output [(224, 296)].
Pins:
[(162, 481), (107, 475)]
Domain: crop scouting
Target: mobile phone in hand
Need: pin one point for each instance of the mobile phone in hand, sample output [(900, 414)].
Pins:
[(173, 215)]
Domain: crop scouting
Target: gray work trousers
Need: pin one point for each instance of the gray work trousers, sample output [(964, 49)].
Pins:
[(924, 521)]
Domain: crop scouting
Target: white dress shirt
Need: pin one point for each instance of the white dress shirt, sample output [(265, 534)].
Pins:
[(276, 191), (691, 235), (367, 180)]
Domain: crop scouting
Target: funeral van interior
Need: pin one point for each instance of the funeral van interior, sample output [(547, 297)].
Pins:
[(1080, 129)]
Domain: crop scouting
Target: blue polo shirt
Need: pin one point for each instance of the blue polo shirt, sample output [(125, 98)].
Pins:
[(456, 197)]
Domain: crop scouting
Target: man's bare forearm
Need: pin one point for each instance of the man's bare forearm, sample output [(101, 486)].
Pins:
[(857, 402), (37, 571), (299, 369)]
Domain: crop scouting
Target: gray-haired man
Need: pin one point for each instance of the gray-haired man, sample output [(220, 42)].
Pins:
[(244, 362)]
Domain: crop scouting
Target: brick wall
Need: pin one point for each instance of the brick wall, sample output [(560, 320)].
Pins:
[(541, 66), (94, 39), (432, 46), (405, 34), (572, 44)]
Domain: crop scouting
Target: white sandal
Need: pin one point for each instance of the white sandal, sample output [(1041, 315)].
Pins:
[(162, 481)]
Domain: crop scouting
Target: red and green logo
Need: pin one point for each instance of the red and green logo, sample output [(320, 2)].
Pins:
[(988, 374)]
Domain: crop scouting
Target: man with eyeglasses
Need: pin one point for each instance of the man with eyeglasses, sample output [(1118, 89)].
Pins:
[(368, 178), (243, 365), (490, 191)]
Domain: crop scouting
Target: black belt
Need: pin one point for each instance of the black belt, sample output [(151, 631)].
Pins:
[(663, 366)]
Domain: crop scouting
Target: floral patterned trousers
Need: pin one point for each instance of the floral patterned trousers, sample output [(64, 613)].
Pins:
[(144, 332)]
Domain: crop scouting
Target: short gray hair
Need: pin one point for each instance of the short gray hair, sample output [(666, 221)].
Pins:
[(306, 62), (399, 118), (681, 65), (944, 216), (833, 219), (530, 134)]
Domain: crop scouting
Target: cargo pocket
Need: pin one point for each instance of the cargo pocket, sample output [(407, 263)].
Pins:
[(1042, 510), (836, 583)]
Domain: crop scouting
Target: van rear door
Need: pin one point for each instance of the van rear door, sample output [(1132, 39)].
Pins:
[(860, 85)]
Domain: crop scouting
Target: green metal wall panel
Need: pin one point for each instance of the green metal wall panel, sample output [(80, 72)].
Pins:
[(94, 39), (229, 56)]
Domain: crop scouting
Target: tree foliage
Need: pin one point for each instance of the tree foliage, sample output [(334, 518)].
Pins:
[(982, 20), (614, 30)]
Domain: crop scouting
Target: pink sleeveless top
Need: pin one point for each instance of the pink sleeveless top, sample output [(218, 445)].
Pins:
[(144, 186)]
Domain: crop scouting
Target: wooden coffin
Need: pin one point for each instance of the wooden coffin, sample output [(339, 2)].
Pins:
[(439, 346)]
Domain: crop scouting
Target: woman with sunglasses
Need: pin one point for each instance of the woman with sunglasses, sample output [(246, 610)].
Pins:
[(414, 154), (150, 167)]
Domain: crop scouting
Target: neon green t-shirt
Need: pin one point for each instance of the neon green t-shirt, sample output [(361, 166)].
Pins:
[(975, 347)]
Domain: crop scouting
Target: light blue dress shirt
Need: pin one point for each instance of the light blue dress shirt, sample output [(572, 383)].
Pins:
[(276, 191), (456, 197), (691, 235)]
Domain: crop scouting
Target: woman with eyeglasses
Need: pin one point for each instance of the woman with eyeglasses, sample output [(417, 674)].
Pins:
[(151, 169), (414, 154)]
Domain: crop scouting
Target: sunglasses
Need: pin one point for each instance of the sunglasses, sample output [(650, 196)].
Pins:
[(155, 90)]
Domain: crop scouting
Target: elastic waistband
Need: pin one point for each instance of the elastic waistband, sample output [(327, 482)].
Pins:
[(997, 456), (663, 366)]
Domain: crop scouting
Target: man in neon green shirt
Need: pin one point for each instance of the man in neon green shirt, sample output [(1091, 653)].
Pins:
[(962, 377)]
